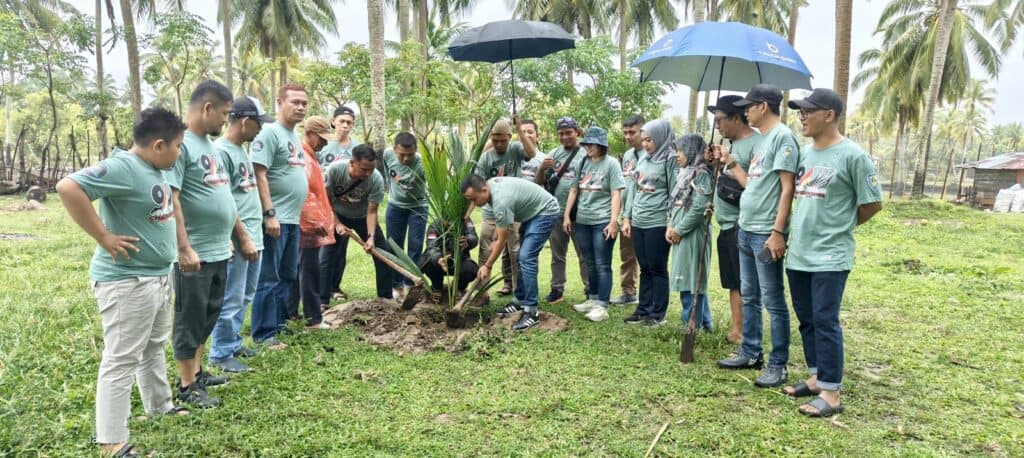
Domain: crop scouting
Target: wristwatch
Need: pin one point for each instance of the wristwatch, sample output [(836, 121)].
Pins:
[(730, 165), (270, 213)]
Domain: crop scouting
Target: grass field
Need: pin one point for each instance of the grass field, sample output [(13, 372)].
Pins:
[(934, 366)]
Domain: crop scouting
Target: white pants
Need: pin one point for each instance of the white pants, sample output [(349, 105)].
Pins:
[(136, 314)]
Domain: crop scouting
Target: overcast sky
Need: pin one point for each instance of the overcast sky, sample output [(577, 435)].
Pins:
[(815, 35)]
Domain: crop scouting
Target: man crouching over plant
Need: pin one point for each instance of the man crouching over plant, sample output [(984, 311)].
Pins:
[(130, 270), (439, 258)]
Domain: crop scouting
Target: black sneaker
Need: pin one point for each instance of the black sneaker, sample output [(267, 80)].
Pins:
[(654, 322), (635, 318), (244, 352), (526, 321), (555, 296), (206, 380), (509, 309), (738, 361), (196, 396), (772, 377)]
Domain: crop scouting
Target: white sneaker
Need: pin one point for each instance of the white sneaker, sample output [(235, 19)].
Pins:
[(397, 293), (597, 313), (586, 306)]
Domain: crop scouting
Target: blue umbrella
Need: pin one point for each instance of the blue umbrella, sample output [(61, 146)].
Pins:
[(724, 55), (509, 40)]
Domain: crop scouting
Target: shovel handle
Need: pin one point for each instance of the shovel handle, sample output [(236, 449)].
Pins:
[(465, 298), (375, 252)]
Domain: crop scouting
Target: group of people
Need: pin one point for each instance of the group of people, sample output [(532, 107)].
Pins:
[(209, 227)]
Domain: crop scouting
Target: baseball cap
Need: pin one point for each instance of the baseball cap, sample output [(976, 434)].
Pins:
[(726, 104), (248, 107), (567, 123), (318, 125), (761, 93), (501, 126), (822, 98), (343, 110)]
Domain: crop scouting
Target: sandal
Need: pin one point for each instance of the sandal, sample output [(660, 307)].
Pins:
[(800, 390), (824, 409), (126, 452), (178, 410)]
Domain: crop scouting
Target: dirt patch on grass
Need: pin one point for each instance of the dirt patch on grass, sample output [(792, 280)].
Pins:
[(423, 329), (16, 236), (26, 207), (947, 223)]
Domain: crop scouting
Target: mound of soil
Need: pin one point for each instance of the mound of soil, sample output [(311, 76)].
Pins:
[(26, 207), (423, 328)]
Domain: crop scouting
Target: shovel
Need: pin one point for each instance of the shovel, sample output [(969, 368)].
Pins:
[(416, 293), (455, 317)]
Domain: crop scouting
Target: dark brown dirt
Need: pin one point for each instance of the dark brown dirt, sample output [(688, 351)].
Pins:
[(422, 329)]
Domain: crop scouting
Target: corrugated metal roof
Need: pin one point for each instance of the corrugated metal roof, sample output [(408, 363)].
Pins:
[(1010, 161)]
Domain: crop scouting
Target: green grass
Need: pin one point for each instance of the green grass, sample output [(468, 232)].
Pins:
[(934, 367)]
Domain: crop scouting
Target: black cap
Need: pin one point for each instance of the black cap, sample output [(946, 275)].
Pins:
[(343, 110), (825, 99), (726, 104), (761, 93), (248, 107)]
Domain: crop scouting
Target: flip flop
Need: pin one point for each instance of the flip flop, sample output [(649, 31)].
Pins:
[(824, 410), (800, 390)]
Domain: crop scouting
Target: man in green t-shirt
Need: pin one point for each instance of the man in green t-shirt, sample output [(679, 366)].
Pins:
[(207, 216), (135, 246), (515, 200), (408, 202), (561, 167), (340, 147), (504, 159), (764, 223), (355, 188), (837, 189), (629, 269), (732, 124)]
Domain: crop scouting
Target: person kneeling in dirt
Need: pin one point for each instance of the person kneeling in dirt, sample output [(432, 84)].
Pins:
[(438, 259), (515, 200)]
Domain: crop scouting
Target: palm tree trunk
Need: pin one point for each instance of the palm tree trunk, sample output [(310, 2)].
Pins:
[(375, 12), (698, 16), (422, 18), (132, 43), (901, 126), (9, 125), (101, 116), (403, 20), (623, 34), (225, 9), (713, 10), (794, 17), (938, 64), (844, 22)]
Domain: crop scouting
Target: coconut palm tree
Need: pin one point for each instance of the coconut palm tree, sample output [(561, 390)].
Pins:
[(375, 21), (224, 19), (639, 19), (280, 29), (1005, 17), (768, 14), (844, 23)]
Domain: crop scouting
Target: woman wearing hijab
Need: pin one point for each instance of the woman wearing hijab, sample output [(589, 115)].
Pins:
[(596, 195), (645, 220), (687, 224)]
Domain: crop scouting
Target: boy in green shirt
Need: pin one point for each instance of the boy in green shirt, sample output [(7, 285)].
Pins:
[(206, 215), (836, 190), (135, 237)]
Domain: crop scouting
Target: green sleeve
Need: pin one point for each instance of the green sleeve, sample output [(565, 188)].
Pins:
[(693, 218), (503, 217), (787, 155), (109, 178), (376, 188), (865, 180), (263, 147), (615, 180), (177, 174)]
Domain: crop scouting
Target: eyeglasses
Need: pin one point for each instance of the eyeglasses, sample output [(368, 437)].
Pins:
[(807, 112)]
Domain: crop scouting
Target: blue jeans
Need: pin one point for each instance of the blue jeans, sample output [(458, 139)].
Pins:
[(652, 255), (761, 283), (533, 235), (402, 220), (597, 252), (816, 300), (279, 269), (704, 319), (243, 277)]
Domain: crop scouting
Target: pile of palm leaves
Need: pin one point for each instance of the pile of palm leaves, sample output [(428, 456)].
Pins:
[(446, 164)]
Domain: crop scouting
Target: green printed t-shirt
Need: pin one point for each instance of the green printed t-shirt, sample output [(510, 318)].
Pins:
[(279, 150), (408, 183), (135, 200), (516, 200), (560, 156), (491, 165), (205, 198), (831, 184), (594, 195), (243, 188), (530, 167), (649, 203), (742, 151), (778, 152), (348, 201), (334, 152)]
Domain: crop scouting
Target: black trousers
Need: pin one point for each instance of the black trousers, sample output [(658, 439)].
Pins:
[(307, 289), (332, 260), (467, 272)]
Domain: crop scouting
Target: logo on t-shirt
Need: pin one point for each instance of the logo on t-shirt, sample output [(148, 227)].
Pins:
[(246, 180), (329, 158), (295, 158), (592, 182), (873, 182), (257, 145), (628, 169), (406, 183), (646, 182), (756, 168), (213, 170), (812, 182), (97, 171), (164, 210), (498, 171)]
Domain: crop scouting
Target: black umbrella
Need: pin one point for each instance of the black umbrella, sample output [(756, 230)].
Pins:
[(502, 41)]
